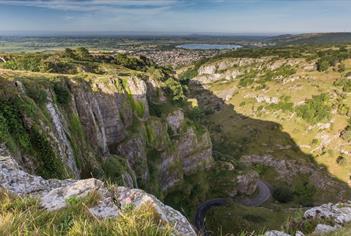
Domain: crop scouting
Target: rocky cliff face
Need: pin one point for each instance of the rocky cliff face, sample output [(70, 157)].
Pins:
[(101, 126), (54, 195)]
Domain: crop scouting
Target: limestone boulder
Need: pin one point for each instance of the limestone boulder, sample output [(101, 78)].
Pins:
[(247, 183)]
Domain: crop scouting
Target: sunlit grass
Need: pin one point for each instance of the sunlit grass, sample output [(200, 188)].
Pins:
[(24, 216)]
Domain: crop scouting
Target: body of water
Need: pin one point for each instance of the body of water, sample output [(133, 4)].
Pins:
[(209, 46)]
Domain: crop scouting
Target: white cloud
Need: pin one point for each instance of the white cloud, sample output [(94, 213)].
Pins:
[(96, 5)]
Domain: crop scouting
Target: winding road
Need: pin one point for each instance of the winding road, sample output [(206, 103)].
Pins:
[(264, 194)]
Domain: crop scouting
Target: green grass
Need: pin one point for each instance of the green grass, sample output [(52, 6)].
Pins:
[(24, 216), (236, 218)]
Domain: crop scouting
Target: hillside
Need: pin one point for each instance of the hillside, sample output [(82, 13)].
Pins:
[(283, 112), (311, 39)]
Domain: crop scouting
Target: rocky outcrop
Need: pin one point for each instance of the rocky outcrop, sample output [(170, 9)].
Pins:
[(324, 229), (134, 149), (266, 99), (276, 233), (290, 169), (339, 213), (175, 120), (247, 183), (329, 217), (138, 197), (100, 114), (54, 194), (231, 68), (192, 152), (107, 110)]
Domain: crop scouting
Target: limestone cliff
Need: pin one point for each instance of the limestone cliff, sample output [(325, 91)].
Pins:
[(118, 127)]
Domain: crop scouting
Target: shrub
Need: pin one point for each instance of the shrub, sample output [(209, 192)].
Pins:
[(304, 192), (25, 61), (331, 58), (37, 94), (69, 53), (62, 94), (56, 65), (83, 54), (174, 89), (130, 62), (50, 165), (322, 65), (283, 71), (346, 134), (315, 110), (196, 114), (340, 160), (283, 194), (345, 84), (114, 168)]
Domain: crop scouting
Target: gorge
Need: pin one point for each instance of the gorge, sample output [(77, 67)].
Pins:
[(102, 132)]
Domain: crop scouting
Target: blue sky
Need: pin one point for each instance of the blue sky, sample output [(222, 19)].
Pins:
[(186, 16)]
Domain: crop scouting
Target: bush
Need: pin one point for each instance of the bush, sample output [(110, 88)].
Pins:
[(25, 61), (304, 192), (69, 53), (345, 84), (322, 65), (346, 134), (340, 160), (174, 89), (114, 168), (315, 110), (283, 71), (331, 58), (283, 194), (37, 94), (130, 62), (62, 94), (55, 64), (83, 54), (196, 114)]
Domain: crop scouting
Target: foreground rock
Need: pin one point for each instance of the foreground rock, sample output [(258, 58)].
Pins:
[(54, 194), (337, 215), (275, 233)]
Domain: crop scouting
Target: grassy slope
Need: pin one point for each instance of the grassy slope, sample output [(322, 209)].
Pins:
[(24, 216), (248, 128), (302, 133)]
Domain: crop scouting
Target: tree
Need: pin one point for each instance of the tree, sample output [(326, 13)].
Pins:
[(322, 65), (83, 53), (69, 53)]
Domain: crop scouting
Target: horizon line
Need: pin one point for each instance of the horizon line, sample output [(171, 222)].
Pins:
[(31, 33)]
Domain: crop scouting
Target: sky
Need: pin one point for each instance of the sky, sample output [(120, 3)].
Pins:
[(176, 16)]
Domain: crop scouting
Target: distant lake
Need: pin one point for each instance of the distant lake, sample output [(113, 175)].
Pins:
[(209, 46)]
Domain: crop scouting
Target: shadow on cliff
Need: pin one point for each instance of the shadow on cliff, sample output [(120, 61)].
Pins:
[(235, 135)]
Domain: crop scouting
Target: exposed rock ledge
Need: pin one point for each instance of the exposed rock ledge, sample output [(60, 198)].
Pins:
[(54, 193), (289, 169), (337, 214)]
